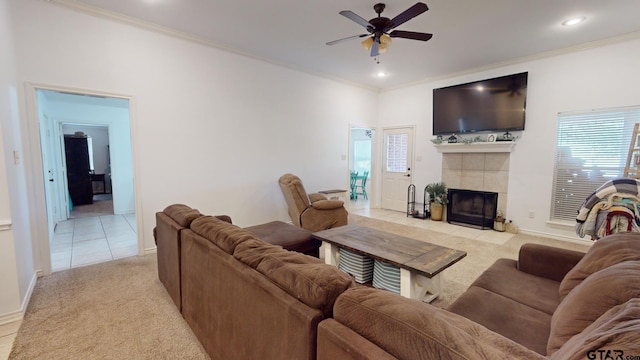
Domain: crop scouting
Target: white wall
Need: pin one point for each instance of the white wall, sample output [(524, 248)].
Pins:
[(17, 275), (209, 128), (602, 77)]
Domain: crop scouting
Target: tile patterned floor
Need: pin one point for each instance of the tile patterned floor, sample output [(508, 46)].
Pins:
[(7, 335), (90, 240), (361, 207)]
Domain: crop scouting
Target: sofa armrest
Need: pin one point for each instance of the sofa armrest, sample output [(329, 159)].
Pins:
[(547, 261), (327, 204), (411, 329), (316, 197), (225, 218), (336, 341)]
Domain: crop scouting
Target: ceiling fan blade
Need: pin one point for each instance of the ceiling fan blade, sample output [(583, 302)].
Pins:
[(410, 35), (407, 15), (375, 46), (357, 18), (346, 39)]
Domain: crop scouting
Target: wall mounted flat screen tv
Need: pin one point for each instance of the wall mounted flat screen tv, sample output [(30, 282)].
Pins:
[(496, 104)]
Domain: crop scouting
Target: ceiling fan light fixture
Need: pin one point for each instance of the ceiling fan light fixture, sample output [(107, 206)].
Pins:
[(385, 41), (368, 43)]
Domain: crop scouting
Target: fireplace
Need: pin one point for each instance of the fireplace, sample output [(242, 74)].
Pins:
[(472, 208)]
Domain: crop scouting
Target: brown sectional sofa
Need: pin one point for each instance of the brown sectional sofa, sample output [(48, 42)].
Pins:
[(246, 298), (175, 218), (551, 303)]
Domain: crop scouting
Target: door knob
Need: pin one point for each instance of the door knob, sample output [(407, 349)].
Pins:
[(51, 180)]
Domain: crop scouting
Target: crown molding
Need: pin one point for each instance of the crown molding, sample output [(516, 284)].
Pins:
[(129, 20), (544, 55), (167, 31)]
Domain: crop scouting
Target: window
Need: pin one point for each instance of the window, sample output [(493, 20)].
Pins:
[(397, 147), (591, 148)]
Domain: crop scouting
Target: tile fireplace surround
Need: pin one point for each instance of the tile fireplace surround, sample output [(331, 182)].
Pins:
[(478, 171)]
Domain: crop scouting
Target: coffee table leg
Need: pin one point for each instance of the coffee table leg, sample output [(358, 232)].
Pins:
[(330, 254), (416, 286)]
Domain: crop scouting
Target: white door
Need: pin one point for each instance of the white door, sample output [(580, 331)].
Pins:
[(396, 167), (48, 168)]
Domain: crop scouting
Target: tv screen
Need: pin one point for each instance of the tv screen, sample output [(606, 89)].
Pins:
[(496, 104)]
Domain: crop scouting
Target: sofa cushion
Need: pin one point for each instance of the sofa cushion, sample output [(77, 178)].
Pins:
[(504, 278), (411, 329), (509, 318), (304, 277), (616, 330), (594, 296), (252, 251), (182, 214), (225, 235), (605, 252)]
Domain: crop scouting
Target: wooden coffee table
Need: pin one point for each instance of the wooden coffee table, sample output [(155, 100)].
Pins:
[(421, 263)]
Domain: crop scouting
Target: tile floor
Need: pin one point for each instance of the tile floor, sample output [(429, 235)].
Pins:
[(361, 207), (7, 334), (90, 240)]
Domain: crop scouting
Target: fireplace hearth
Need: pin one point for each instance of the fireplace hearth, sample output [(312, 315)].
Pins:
[(472, 208)]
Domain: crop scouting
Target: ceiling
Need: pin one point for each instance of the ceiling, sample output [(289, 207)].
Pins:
[(468, 34)]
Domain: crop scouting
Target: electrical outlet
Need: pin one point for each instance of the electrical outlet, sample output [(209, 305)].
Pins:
[(532, 214)]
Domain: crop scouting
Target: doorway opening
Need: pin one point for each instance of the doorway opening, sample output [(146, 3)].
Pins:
[(360, 164), (88, 169)]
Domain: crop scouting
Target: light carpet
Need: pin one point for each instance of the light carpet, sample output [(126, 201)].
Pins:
[(120, 310), (114, 310)]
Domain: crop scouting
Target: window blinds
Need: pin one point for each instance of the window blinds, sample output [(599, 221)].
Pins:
[(591, 148)]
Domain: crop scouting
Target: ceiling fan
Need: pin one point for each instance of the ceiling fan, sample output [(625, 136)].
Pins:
[(379, 37)]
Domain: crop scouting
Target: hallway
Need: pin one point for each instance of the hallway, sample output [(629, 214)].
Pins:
[(90, 240)]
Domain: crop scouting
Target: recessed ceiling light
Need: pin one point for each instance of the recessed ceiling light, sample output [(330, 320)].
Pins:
[(574, 21), (381, 74)]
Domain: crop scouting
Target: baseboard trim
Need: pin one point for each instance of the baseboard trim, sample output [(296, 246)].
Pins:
[(150, 251), (18, 315), (556, 237)]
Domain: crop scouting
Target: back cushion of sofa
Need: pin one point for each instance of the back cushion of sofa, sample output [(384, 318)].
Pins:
[(607, 251), (594, 296), (225, 235), (182, 214), (251, 252), (304, 277), (412, 329), (617, 330)]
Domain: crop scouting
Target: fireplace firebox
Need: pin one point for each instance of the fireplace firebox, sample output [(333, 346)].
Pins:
[(472, 208)]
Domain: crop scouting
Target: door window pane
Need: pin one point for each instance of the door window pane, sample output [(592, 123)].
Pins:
[(397, 146)]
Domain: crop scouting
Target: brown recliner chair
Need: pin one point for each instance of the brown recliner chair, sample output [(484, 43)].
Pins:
[(313, 211)]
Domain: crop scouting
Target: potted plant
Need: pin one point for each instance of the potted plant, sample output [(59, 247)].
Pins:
[(437, 199)]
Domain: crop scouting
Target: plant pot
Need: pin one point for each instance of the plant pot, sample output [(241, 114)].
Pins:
[(436, 211)]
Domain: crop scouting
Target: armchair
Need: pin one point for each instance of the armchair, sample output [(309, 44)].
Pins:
[(311, 211)]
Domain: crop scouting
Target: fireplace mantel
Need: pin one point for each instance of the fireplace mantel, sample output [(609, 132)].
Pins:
[(477, 147)]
